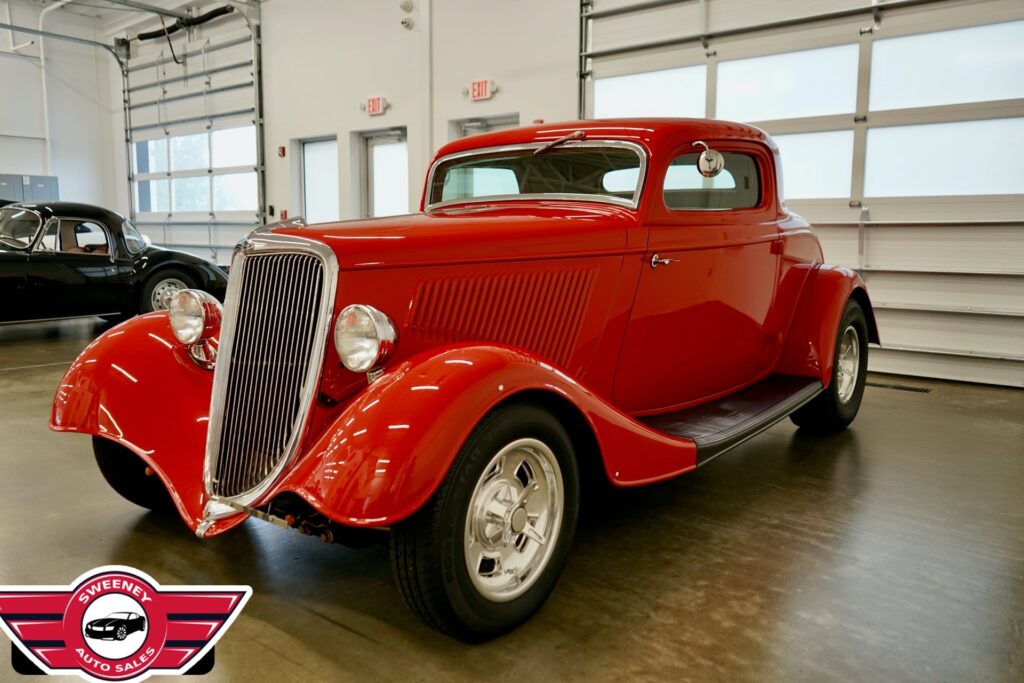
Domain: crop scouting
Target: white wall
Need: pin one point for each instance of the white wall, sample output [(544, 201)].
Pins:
[(323, 58), (79, 105)]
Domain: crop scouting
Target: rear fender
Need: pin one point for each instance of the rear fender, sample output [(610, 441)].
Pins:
[(810, 344), (136, 385), (390, 449)]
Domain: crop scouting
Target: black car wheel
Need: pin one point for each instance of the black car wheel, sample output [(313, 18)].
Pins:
[(161, 287), (122, 633), (127, 474), (834, 408), (484, 554)]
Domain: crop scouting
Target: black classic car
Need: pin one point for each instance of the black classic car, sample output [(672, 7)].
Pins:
[(65, 260), (116, 626)]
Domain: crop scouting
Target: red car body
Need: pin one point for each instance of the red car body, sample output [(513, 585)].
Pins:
[(557, 298)]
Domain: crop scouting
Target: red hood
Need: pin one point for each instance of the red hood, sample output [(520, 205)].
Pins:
[(476, 232)]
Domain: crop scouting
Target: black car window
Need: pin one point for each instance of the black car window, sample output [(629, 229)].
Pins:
[(132, 239), (82, 237), (18, 227)]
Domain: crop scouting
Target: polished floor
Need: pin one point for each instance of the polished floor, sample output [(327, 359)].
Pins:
[(891, 552)]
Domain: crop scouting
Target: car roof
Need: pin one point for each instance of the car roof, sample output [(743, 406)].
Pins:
[(652, 133), (74, 210)]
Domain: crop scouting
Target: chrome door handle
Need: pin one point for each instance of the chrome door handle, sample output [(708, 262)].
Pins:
[(656, 261)]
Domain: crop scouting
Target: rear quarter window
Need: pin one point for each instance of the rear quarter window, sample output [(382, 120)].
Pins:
[(738, 186)]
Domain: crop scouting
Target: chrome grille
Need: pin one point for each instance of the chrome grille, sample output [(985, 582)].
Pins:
[(264, 377)]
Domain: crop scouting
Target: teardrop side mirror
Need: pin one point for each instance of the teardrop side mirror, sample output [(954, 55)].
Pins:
[(710, 163)]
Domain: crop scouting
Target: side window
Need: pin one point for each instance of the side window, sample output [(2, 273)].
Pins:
[(738, 186), (82, 237), (132, 239)]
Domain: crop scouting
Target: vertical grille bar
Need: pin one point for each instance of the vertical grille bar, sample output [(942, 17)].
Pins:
[(275, 326)]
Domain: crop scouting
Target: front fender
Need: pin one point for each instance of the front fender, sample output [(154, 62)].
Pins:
[(136, 385), (390, 449), (810, 344)]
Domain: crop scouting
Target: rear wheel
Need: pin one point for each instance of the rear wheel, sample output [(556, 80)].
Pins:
[(127, 474), (482, 557), (834, 408)]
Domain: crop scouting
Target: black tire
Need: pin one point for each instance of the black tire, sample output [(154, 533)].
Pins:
[(156, 279), (427, 550), (126, 474), (828, 412), (121, 633)]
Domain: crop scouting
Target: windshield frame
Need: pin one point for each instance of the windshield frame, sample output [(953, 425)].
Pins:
[(633, 203), (39, 226)]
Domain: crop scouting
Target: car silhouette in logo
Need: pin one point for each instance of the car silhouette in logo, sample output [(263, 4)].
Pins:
[(115, 626)]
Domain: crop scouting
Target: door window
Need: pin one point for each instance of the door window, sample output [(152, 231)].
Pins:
[(738, 186), (387, 174), (320, 196), (70, 236)]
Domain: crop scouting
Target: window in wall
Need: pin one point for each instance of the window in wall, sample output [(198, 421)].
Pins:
[(922, 160), (738, 186), (388, 174), (672, 92), (321, 201), (816, 82), (816, 165), (948, 67), (190, 152)]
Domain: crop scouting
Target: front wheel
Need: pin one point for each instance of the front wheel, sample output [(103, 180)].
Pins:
[(834, 408), (484, 554), (130, 477), (162, 287)]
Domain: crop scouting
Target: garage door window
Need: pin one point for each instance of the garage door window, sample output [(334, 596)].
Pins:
[(975, 64), (921, 161), (738, 186), (816, 165), (672, 92), (791, 85)]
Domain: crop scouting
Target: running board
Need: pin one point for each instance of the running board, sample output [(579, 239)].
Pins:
[(725, 423)]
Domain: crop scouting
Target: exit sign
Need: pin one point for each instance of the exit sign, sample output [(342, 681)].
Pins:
[(482, 90), (375, 106)]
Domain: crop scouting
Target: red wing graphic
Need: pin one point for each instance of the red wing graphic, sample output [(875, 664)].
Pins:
[(118, 624)]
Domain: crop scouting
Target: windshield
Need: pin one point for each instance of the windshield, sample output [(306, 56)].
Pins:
[(586, 170), (119, 615), (17, 227)]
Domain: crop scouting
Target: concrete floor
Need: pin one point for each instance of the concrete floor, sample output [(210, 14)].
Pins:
[(893, 551)]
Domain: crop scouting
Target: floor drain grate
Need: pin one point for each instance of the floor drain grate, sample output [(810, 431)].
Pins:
[(899, 387)]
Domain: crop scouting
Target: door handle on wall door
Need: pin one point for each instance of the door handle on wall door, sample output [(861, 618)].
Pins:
[(656, 261)]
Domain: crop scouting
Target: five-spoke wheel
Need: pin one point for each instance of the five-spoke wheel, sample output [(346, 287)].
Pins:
[(510, 502)]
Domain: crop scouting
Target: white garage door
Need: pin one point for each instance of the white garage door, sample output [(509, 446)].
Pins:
[(902, 138)]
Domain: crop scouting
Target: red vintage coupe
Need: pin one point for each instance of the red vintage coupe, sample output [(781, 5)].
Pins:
[(620, 299)]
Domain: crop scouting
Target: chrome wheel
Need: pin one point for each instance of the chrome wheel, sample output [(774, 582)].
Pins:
[(122, 633), (513, 520), (164, 291), (848, 364)]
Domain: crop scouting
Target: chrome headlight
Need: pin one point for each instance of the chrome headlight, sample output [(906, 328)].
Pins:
[(194, 315), (364, 337)]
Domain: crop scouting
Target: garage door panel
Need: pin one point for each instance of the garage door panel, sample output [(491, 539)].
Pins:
[(976, 248), (839, 245), (938, 290), (648, 26), (955, 332), (957, 368)]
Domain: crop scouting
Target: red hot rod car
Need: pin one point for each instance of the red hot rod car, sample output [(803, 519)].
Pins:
[(628, 298)]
